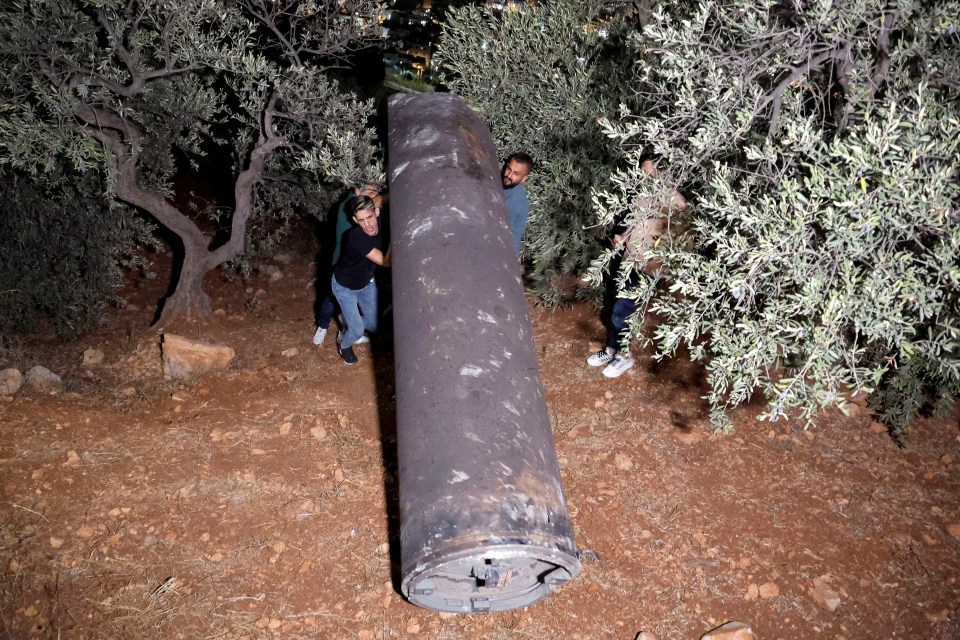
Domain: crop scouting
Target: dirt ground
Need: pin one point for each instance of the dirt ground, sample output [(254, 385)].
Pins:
[(253, 502)]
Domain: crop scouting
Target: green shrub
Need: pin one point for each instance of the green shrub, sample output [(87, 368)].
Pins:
[(63, 252)]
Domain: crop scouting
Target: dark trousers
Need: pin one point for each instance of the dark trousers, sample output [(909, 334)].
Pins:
[(327, 306), (622, 310)]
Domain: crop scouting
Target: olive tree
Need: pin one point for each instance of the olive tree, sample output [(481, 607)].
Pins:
[(818, 145), (141, 89), (540, 78)]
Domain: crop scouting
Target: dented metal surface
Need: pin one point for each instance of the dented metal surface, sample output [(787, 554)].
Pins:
[(483, 522)]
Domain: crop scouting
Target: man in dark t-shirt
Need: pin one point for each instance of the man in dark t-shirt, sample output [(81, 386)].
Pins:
[(326, 307), (352, 283)]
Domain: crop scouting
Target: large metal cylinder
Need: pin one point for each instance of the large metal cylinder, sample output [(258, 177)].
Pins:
[(483, 522)]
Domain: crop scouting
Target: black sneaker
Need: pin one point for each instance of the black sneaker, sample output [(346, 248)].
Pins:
[(348, 355)]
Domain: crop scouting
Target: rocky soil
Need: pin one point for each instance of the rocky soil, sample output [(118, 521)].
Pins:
[(255, 501)]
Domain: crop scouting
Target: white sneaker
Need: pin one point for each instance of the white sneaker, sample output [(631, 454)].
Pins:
[(364, 339), (600, 357), (616, 368), (319, 336)]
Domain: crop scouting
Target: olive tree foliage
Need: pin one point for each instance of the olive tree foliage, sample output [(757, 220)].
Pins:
[(139, 89), (539, 78), (817, 142), (64, 248)]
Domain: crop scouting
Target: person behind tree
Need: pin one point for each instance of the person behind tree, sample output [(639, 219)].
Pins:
[(515, 172), (352, 282), (636, 241), (327, 303)]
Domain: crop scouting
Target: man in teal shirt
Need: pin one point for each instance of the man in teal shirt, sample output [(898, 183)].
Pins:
[(516, 170)]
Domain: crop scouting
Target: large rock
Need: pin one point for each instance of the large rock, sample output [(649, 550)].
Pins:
[(184, 358), (43, 380), (10, 381)]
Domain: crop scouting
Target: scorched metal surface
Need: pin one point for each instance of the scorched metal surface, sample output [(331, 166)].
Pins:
[(483, 522)]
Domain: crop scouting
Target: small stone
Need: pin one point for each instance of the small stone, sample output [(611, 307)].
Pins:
[(180, 396), (580, 430), (257, 452), (274, 624), (86, 532), (954, 530), (753, 592), (730, 631), (55, 543), (318, 432), (878, 427), (290, 353), (769, 590), (131, 307), (30, 611), (623, 462), (279, 547), (285, 428), (220, 312), (92, 357), (73, 459), (365, 634), (645, 635), (824, 594), (946, 459), (10, 381), (413, 626)]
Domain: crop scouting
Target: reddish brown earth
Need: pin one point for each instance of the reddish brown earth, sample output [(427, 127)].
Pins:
[(253, 502)]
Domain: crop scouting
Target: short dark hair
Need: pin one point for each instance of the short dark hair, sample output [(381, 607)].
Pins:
[(520, 157), (359, 203)]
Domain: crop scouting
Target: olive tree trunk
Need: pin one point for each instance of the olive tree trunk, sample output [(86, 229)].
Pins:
[(188, 297)]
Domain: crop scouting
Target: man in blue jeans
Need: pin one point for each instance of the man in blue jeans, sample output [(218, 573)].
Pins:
[(343, 224), (352, 283), (636, 241)]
